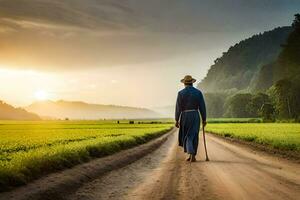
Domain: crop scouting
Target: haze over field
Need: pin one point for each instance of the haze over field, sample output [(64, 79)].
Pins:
[(81, 110), (129, 52)]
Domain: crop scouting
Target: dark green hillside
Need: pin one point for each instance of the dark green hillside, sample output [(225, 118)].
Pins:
[(264, 78), (285, 91), (238, 68), (288, 63), (287, 66), (259, 77)]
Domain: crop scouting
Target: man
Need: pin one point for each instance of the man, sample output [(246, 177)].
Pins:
[(189, 102)]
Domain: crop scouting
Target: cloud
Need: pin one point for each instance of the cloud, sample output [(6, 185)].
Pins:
[(78, 34), (85, 14)]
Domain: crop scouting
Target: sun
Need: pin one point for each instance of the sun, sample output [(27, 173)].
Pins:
[(41, 95)]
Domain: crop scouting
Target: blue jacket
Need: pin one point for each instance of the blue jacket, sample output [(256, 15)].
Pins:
[(190, 98)]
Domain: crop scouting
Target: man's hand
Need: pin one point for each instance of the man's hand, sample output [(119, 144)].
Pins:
[(204, 123), (177, 124)]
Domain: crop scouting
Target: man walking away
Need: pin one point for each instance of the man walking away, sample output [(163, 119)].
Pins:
[(189, 102)]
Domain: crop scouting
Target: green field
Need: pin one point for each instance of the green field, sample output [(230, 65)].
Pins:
[(31, 149), (284, 136), (234, 120)]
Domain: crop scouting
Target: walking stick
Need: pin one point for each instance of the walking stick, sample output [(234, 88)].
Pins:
[(204, 143)]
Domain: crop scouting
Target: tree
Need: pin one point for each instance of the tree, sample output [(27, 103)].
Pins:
[(267, 112), (285, 95), (237, 105), (285, 92), (288, 63), (295, 97), (281, 96), (255, 105)]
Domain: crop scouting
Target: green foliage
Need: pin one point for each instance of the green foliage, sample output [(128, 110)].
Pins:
[(286, 98), (281, 97), (249, 105), (256, 104), (31, 149), (267, 112), (264, 78), (276, 135), (287, 66), (248, 66), (215, 104), (237, 106), (288, 63), (238, 67), (286, 90)]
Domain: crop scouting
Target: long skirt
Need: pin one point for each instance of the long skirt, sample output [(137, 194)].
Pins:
[(189, 131)]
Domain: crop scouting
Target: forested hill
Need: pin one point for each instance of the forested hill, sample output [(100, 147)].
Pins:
[(259, 77), (8, 112), (239, 67)]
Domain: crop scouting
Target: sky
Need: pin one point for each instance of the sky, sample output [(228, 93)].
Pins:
[(129, 52)]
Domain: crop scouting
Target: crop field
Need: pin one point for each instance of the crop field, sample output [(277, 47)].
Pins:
[(285, 136), (31, 149), (234, 120)]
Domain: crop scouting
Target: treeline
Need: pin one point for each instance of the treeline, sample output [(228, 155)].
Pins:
[(240, 105), (276, 94)]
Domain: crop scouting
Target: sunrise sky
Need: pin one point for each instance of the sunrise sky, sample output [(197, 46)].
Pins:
[(129, 52)]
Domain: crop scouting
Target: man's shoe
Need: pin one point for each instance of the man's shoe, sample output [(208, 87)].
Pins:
[(189, 158), (193, 159)]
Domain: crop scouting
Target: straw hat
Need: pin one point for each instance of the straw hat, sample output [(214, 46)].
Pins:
[(188, 79)]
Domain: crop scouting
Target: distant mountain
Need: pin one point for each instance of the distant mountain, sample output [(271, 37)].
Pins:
[(240, 67), (165, 111), (81, 110), (8, 112)]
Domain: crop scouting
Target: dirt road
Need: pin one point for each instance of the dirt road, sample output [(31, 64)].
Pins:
[(234, 172)]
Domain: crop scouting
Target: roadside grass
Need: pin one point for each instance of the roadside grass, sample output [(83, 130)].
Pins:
[(283, 136), (31, 149)]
